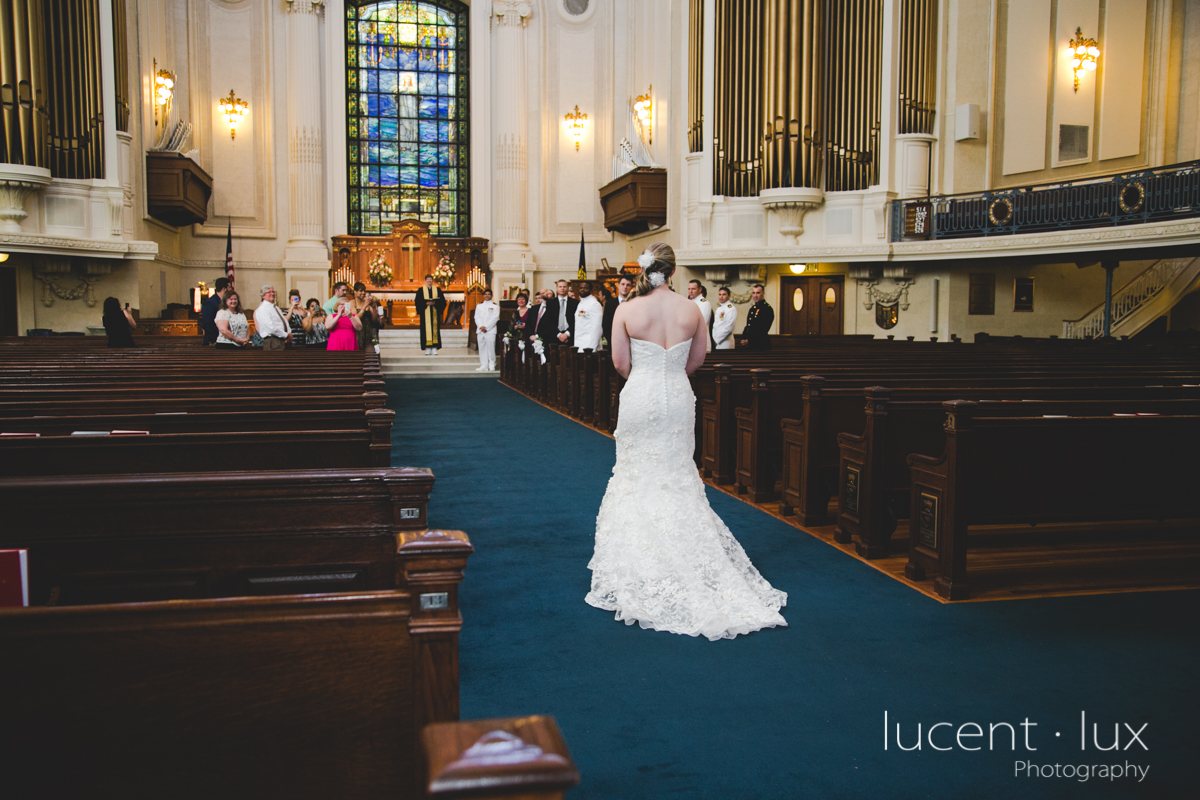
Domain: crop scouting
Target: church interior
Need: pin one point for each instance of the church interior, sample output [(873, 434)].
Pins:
[(948, 255)]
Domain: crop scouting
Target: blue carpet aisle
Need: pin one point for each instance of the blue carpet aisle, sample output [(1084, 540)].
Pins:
[(790, 712)]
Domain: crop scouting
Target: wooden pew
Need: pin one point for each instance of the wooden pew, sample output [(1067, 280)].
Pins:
[(197, 422), (319, 695), (196, 535), (873, 472), (1029, 470)]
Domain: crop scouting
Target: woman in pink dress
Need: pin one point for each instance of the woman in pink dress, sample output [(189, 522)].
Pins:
[(342, 325)]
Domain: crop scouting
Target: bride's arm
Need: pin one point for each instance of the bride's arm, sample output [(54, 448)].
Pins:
[(620, 343), (699, 343)]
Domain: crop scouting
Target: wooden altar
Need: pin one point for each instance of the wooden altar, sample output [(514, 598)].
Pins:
[(412, 253)]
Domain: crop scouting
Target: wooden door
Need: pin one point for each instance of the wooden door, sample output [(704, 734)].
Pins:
[(811, 305)]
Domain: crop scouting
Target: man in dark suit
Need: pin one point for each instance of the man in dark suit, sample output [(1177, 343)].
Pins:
[(560, 311), (544, 322), (610, 308), (209, 309), (758, 321)]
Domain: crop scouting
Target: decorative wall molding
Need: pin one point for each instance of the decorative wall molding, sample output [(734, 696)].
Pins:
[(1160, 233), (872, 294), (784, 255), (58, 274), (254, 149), (511, 13), (305, 6), (32, 243)]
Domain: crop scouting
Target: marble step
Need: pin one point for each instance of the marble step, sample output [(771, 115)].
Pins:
[(457, 362)]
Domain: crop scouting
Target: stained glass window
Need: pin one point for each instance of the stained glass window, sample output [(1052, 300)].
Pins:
[(406, 76)]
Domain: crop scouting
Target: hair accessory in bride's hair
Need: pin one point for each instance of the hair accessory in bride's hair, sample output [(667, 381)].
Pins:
[(656, 278), (645, 260)]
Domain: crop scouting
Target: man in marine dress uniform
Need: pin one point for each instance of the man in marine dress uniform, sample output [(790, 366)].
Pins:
[(430, 304), (723, 321), (758, 321), (487, 314)]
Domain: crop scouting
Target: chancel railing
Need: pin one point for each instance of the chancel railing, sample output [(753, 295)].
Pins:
[(1127, 198), (1127, 300)]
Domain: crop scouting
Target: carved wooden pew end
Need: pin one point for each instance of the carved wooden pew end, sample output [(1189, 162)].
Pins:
[(520, 757)]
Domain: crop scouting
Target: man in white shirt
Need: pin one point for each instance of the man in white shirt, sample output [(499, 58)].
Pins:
[(487, 314), (697, 295), (723, 321), (269, 322), (589, 320)]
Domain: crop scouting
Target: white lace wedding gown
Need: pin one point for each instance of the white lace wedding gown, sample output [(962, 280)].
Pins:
[(663, 558)]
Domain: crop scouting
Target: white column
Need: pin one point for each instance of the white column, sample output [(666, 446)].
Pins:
[(306, 240), (510, 210)]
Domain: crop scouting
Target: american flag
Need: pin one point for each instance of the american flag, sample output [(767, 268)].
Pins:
[(229, 252)]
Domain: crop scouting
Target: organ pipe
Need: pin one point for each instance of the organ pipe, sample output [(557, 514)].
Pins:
[(22, 83), (76, 134), (695, 76), (121, 63), (918, 58), (799, 93)]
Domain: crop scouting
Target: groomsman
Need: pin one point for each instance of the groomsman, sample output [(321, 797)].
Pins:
[(724, 319), (624, 285), (534, 328), (561, 313), (698, 295), (758, 321), (430, 304), (487, 314), (589, 319)]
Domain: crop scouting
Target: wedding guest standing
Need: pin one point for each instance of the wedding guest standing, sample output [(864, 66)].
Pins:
[(270, 323), (589, 319), (233, 329), (487, 314), (562, 308), (339, 293), (118, 323), (210, 307), (342, 325), (315, 333), (624, 284), (370, 314), (759, 319), (724, 318), (296, 314), (522, 321), (430, 303), (699, 295)]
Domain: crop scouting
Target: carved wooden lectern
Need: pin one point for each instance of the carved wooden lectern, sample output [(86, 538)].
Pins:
[(412, 253)]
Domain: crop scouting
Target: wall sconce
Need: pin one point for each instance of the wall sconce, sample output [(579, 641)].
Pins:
[(164, 87), (3, 257), (797, 268), (643, 107), (576, 123), (234, 109), (1084, 53)]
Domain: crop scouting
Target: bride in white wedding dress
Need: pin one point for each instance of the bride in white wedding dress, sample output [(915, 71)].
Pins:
[(663, 558)]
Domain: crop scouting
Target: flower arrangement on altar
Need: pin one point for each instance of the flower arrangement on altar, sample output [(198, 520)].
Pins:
[(378, 270), (443, 273)]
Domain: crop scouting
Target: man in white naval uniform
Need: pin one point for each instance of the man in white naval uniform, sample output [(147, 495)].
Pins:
[(697, 294), (487, 314), (723, 322), (589, 320)]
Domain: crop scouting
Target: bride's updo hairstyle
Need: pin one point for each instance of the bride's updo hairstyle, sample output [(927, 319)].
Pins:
[(658, 264)]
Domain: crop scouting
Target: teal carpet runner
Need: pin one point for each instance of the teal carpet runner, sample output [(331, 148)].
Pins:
[(793, 712)]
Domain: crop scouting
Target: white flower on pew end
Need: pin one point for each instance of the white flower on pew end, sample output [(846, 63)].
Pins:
[(539, 348)]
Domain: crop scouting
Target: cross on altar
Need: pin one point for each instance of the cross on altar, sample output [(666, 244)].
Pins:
[(410, 244)]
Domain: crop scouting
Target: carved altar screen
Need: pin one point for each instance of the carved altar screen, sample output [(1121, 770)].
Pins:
[(406, 73), (393, 266)]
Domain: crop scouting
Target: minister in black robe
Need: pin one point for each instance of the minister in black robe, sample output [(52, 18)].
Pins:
[(430, 303)]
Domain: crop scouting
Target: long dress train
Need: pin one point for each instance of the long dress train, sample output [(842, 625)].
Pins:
[(663, 557)]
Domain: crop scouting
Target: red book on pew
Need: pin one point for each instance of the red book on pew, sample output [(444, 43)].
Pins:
[(20, 435), (130, 433), (14, 578)]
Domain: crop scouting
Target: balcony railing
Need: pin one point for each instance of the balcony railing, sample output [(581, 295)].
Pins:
[(1129, 198)]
